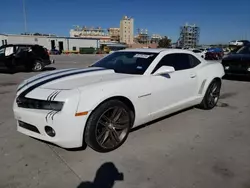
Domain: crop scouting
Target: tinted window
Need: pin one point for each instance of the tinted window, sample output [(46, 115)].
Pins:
[(244, 50), (193, 61), (196, 51), (178, 61), (165, 61), (38, 49), (127, 62), (20, 49)]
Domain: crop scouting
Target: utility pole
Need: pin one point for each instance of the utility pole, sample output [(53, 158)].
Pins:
[(24, 17)]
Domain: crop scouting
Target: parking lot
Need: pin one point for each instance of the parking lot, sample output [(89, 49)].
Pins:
[(191, 149)]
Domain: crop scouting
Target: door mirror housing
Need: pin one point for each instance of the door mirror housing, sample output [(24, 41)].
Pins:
[(164, 70)]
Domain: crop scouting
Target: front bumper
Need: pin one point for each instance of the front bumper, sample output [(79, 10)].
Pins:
[(237, 71), (68, 128)]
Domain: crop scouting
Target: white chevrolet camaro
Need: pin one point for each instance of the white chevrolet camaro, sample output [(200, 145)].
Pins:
[(100, 104)]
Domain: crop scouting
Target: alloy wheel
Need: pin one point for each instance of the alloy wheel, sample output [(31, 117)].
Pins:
[(214, 94), (112, 127), (37, 66)]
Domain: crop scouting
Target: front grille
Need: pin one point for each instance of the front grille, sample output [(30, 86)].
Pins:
[(28, 126)]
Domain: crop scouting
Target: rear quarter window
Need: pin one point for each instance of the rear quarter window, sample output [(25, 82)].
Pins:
[(193, 61)]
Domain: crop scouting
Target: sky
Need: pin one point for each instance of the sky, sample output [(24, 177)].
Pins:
[(220, 21)]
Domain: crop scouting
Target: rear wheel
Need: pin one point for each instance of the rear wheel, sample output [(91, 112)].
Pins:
[(212, 95), (37, 66), (108, 126)]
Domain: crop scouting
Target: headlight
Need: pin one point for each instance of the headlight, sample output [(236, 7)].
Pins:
[(23, 102)]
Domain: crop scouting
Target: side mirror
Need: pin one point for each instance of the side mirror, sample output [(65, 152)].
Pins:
[(164, 70)]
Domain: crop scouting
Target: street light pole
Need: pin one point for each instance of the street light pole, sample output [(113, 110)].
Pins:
[(24, 17)]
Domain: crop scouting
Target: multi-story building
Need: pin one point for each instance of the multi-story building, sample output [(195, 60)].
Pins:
[(90, 32), (155, 38), (142, 36), (114, 34), (189, 36), (127, 30)]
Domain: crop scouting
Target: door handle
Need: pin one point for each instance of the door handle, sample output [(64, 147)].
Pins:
[(192, 75)]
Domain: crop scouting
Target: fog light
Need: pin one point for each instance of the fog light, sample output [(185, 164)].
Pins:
[(50, 131), (226, 67)]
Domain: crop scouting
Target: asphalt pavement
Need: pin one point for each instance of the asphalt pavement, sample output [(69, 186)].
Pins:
[(190, 149)]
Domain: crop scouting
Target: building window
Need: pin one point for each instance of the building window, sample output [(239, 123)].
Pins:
[(6, 41), (74, 48), (2, 42)]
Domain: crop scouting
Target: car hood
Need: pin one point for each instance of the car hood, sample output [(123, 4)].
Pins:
[(67, 79)]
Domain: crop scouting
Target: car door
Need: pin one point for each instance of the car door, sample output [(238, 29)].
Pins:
[(21, 55), (176, 90)]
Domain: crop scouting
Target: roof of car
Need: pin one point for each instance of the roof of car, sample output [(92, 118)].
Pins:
[(154, 50)]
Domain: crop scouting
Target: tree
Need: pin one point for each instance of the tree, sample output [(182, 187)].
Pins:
[(165, 42)]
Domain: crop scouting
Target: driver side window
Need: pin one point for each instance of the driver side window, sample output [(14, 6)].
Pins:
[(180, 61)]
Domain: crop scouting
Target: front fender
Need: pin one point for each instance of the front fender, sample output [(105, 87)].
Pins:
[(89, 100)]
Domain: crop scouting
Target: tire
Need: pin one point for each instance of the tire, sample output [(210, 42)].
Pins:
[(108, 126), (212, 96), (37, 66)]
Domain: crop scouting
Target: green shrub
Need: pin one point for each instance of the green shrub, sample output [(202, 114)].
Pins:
[(87, 50)]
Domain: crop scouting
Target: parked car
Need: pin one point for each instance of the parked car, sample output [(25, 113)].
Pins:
[(32, 57), (100, 104), (239, 42), (54, 52), (238, 63), (214, 54), (201, 53)]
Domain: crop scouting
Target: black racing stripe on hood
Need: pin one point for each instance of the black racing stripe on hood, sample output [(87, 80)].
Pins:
[(47, 75), (25, 92)]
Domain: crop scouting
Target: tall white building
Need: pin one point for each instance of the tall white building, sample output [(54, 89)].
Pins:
[(127, 30)]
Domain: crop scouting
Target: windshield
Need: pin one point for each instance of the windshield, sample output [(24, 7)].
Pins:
[(127, 62), (244, 50)]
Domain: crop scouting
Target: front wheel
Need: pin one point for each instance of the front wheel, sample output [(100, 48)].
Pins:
[(212, 95), (108, 126)]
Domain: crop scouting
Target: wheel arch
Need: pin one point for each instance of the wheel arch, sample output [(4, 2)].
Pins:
[(123, 99), (208, 82)]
